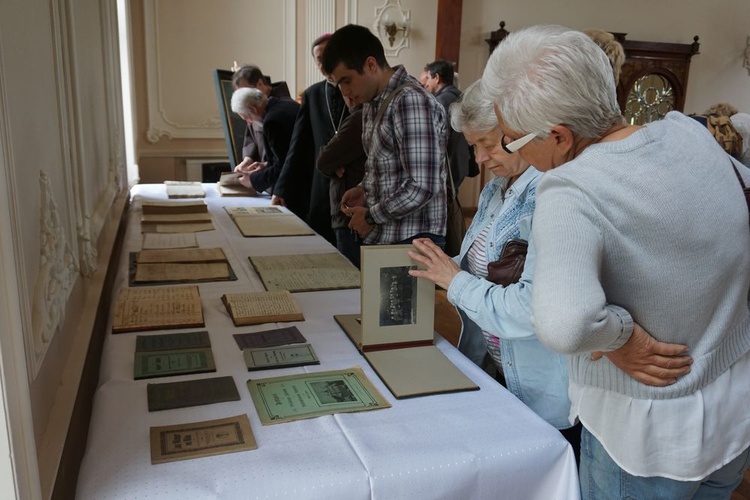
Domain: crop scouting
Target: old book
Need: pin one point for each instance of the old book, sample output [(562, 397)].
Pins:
[(184, 189), (192, 227), (181, 255), (317, 393), (172, 266), (306, 272), (243, 211), (280, 357), (153, 364), (172, 341), (198, 392), (229, 185), (161, 241), (201, 439), (271, 225), (395, 330), (138, 309), (174, 207), (176, 218), (269, 338), (252, 308)]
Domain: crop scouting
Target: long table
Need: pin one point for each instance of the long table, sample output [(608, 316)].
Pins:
[(480, 444)]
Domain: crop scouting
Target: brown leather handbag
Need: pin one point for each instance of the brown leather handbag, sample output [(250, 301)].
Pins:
[(508, 269)]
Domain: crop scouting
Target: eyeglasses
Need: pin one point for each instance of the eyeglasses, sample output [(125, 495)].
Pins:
[(514, 146)]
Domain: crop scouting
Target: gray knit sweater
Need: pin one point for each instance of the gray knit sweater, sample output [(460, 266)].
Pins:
[(653, 229)]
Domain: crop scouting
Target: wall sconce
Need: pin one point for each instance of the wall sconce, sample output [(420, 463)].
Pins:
[(746, 62), (392, 23)]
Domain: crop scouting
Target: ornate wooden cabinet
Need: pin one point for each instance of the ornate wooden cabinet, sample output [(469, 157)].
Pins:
[(653, 79)]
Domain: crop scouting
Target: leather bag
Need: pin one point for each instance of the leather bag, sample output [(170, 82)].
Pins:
[(508, 269)]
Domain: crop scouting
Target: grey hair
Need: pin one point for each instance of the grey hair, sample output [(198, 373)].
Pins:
[(244, 97), (473, 112), (544, 76)]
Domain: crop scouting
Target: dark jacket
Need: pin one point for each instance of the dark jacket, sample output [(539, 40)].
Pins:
[(303, 187), (252, 146), (459, 153), (343, 150), (278, 124)]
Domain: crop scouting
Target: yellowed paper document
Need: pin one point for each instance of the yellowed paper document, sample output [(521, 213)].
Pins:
[(176, 218), (182, 255), (160, 241), (181, 271), (306, 272), (177, 228), (201, 439), (174, 207), (271, 225), (157, 308), (184, 189), (253, 308)]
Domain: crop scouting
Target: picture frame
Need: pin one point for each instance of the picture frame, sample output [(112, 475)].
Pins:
[(232, 125)]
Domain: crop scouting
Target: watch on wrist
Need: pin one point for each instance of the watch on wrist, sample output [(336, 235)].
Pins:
[(368, 218)]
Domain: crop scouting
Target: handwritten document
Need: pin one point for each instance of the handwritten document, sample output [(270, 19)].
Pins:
[(139, 309), (187, 272), (253, 308), (182, 255)]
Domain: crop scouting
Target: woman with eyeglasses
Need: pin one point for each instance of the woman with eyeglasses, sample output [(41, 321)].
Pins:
[(642, 271), (496, 317)]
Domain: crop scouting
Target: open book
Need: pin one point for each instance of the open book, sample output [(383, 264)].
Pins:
[(253, 308), (394, 331)]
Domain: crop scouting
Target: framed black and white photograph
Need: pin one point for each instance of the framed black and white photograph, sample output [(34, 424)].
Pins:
[(396, 307)]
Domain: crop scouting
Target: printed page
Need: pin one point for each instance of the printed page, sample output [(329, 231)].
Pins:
[(201, 439), (295, 397)]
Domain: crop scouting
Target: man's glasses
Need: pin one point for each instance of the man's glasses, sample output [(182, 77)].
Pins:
[(514, 146)]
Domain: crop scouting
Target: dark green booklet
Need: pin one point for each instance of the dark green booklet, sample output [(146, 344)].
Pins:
[(168, 363), (172, 341), (203, 391)]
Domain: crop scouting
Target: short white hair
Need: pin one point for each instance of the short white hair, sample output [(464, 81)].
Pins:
[(244, 97), (544, 76), (473, 112)]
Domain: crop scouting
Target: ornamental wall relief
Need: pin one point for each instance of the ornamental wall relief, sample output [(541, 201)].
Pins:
[(57, 272)]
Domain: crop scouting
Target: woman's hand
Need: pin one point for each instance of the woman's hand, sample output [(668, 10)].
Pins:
[(440, 268), (649, 361)]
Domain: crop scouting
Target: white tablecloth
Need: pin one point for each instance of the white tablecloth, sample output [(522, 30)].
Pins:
[(480, 444)]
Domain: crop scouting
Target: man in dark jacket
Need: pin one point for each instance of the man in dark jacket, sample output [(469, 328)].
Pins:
[(278, 117), (301, 187), (342, 160), (438, 80), (252, 77)]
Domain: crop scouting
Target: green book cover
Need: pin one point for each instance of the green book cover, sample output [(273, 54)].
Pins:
[(168, 363), (280, 357), (172, 341), (204, 391)]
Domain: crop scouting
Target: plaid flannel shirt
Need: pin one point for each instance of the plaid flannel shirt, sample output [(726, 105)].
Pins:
[(405, 173)]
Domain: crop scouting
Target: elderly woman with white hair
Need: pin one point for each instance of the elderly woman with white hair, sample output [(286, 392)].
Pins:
[(642, 271), (496, 317)]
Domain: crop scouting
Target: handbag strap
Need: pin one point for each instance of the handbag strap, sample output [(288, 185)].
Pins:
[(384, 106), (737, 173)]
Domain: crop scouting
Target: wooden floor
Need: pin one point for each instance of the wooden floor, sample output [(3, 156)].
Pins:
[(448, 324)]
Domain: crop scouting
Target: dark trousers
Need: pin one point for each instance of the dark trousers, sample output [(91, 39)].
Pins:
[(348, 243)]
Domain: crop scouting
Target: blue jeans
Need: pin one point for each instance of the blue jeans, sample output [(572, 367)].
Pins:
[(602, 478), (348, 243)]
